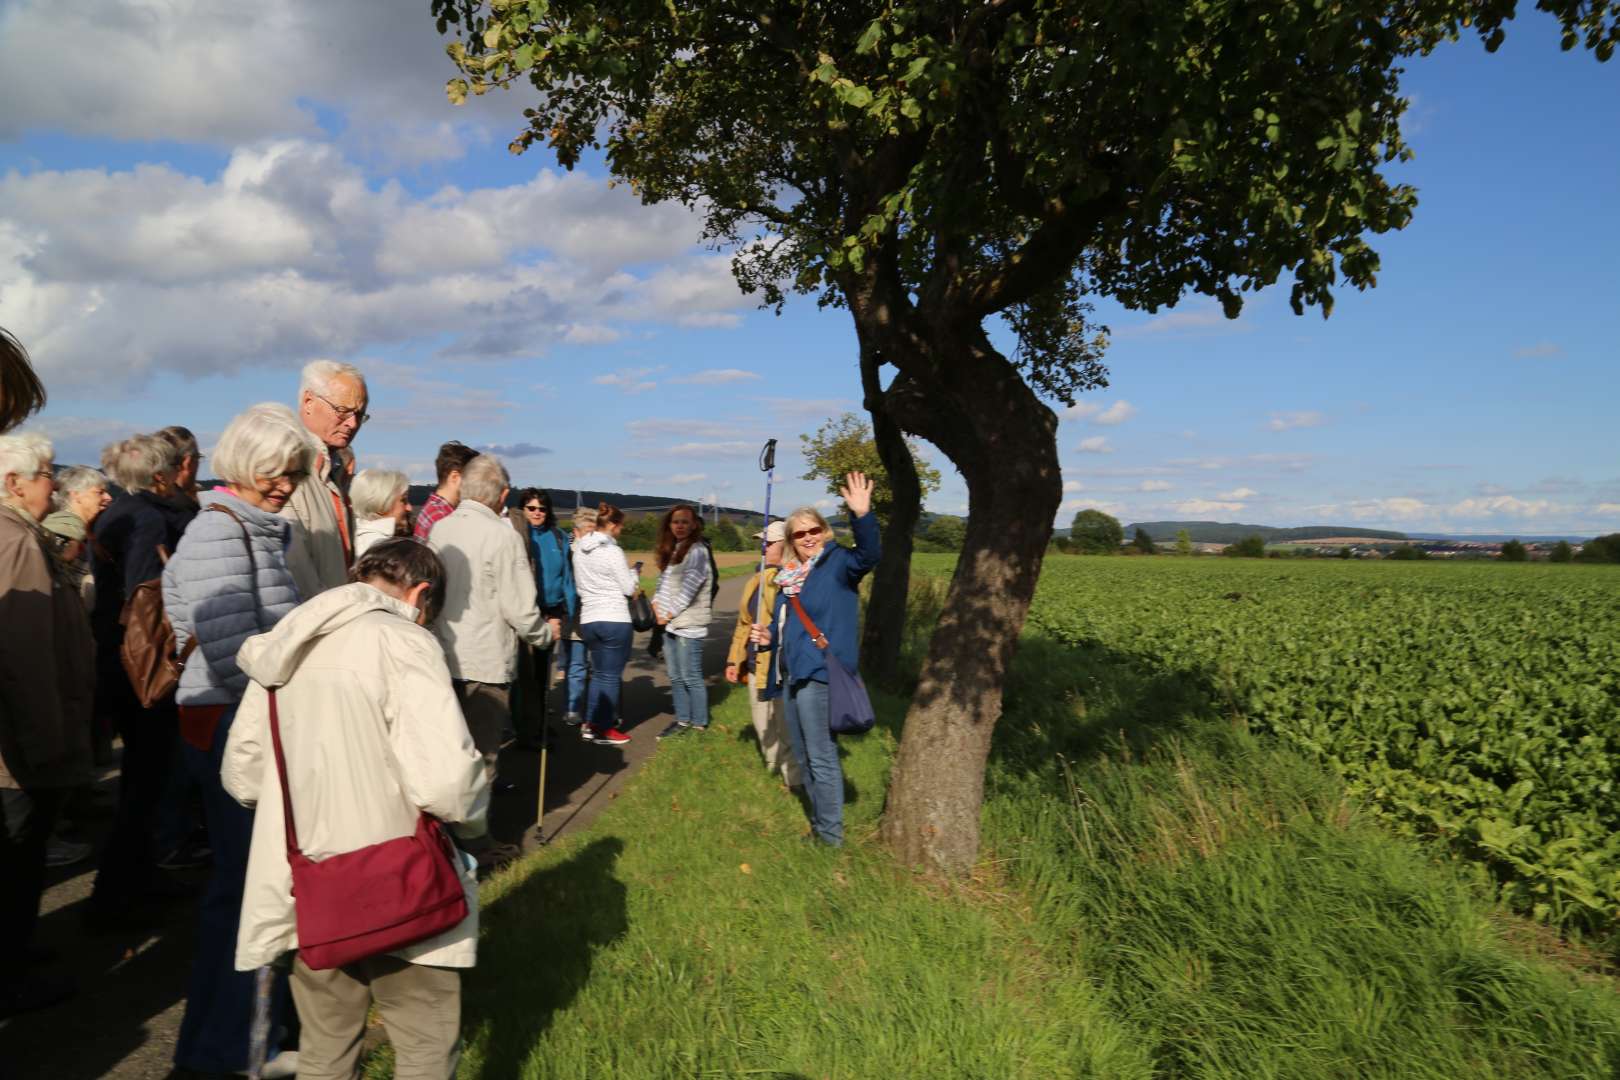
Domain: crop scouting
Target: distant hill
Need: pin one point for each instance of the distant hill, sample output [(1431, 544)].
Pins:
[(1222, 532)]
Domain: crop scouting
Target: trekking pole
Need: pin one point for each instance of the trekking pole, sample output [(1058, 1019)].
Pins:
[(767, 465)]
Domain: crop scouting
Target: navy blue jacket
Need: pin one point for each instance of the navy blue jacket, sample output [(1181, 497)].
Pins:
[(830, 599), (127, 535)]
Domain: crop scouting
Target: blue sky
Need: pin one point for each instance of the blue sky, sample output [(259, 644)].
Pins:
[(194, 202)]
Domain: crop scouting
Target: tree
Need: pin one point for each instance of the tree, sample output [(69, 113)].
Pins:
[(947, 531), (640, 532), (1184, 545), (1513, 551), (846, 444), (1561, 552), (1346, 553), (1409, 553), (727, 537), (1600, 549), (1143, 542), (1096, 533), (929, 167), (1250, 547)]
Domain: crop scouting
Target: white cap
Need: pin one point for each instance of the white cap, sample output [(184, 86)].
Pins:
[(776, 530)]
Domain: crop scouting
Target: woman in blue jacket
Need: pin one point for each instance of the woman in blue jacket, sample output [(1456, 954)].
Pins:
[(824, 577)]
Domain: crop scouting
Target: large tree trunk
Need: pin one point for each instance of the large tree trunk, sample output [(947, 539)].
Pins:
[(956, 391), (891, 581)]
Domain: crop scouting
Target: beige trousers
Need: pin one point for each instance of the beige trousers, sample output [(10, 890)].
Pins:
[(771, 730), (420, 1007)]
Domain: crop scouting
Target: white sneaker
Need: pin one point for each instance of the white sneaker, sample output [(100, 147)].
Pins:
[(61, 852), (283, 1064), (573, 719)]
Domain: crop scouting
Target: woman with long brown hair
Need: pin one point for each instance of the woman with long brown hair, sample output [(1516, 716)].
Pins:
[(682, 607)]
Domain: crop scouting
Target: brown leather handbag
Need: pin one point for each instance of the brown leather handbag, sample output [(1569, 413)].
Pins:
[(148, 653)]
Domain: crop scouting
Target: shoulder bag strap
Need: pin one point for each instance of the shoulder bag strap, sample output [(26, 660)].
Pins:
[(247, 545), (817, 638), (281, 774)]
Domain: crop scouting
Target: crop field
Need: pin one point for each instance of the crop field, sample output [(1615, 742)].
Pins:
[(1476, 704)]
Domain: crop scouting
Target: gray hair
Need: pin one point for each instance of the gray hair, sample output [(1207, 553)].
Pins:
[(184, 442), (317, 376), (265, 440), (134, 463), (375, 491), (24, 454), (74, 479), (483, 479)]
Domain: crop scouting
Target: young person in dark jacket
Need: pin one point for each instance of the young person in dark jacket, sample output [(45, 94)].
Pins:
[(824, 577)]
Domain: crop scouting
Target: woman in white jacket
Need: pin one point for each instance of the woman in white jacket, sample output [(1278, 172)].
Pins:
[(380, 509), (604, 582), (372, 735)]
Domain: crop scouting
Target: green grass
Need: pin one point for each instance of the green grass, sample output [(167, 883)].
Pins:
[(1161, 895)]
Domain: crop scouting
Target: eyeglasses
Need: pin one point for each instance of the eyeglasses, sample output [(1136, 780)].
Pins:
[(535, 509), (343, 412), (814, 530)]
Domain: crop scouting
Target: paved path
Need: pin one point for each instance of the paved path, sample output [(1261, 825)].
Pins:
[(123, 1023)]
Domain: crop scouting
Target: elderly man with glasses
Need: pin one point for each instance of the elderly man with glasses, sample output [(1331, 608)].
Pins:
[(332, 405)]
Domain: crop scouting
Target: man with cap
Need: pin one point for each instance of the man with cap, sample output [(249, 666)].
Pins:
[(767, 715)]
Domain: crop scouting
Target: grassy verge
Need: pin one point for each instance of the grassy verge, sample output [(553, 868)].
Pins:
[(1161, 896)]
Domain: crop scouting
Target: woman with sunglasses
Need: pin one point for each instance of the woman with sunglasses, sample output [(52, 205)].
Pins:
[(553, 568), (823, 577)]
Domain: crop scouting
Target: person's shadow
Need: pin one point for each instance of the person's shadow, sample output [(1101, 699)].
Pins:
[(550, 927)]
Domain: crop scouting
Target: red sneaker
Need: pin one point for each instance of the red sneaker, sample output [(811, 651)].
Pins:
[(611, 737)]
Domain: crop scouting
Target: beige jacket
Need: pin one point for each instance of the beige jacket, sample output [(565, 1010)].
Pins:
[(372, 733), (47, 664), (320, 553), (489, 602), (745, 623)]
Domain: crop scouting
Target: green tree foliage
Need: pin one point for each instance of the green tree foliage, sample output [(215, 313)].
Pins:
[(1513, 551), (1096, 533), (1561, 552), (640, 532), (1184, 543), (1408, 553), (1250, 547), (1143, 543), (1346, 553), (1601, 549), (843, 445), (933, 166), (947, 531), (727, 537)]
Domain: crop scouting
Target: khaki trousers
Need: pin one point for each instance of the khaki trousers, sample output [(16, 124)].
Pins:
[(420, 1007), (487, 708), (771, 730)]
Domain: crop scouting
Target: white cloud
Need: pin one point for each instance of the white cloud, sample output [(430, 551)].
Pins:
[(1607, 508), (1154, 485), (660, 428), (1081, 410), (1095, 444), (1198, 317), (1208, 506), (708, 449), (629, 380), (1543, 350), (1202, 464), (716, 377), (1072, 485), (290, 253), (1117, 413), (1394, 509), (1291, 421), (682, 479), (1506, 506), (1238, 494)]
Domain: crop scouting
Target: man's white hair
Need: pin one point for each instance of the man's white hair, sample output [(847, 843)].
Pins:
[(74, 479), (134, 463), (24, 455), (375, 491), (318, 375), (264, 441), (483, 479)]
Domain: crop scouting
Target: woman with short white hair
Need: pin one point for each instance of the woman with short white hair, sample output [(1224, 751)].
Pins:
[(81, 496), (44, 707), (380, 509), (227, 582)]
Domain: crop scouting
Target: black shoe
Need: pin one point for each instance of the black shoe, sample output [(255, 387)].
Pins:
[(677, 728), (40, 991), (188, 856)]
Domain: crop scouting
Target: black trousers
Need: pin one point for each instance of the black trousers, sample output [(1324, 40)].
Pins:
[(26, 821), (129, 856)]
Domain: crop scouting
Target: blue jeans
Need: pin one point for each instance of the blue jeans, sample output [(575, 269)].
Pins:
[(683, 656), (219, 999), (806, 711), (609, 645), (573, 653)]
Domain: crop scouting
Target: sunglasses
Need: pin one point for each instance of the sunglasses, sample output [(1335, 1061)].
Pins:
[(814, 530), (535, 509)]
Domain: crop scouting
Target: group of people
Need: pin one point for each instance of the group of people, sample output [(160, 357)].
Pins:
[(376, 654)]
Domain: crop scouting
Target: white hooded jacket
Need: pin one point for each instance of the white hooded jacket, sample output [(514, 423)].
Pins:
[(372, 734)]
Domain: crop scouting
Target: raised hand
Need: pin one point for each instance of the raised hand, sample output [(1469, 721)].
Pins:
[(857, 493)]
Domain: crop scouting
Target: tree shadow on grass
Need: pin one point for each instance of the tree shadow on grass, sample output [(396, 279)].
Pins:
[(536, 951)]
